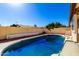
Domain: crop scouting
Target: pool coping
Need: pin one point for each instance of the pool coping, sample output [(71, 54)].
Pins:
[(3, 46)]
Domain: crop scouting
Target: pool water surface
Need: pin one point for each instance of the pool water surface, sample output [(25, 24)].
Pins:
[(40, 46)]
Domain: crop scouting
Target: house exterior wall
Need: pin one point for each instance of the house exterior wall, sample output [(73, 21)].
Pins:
[(74, 21), (74, 28), (77, 12)]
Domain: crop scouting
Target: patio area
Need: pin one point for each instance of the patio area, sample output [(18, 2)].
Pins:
[(70, 49)]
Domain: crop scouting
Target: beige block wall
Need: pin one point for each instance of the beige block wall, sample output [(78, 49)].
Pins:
[(61, 30), (16, 30)]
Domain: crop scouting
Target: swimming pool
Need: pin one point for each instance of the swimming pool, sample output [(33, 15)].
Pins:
[(40, 46)]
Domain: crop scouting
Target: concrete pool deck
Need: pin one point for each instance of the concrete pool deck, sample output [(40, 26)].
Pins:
[(6, 44), (70, 49)]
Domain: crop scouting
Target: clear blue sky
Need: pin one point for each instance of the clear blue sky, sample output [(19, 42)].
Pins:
[(29, 14)]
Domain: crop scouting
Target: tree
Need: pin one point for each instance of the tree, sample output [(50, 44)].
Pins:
[(54, 25), (0, 24), (14, 25), (35, 25)]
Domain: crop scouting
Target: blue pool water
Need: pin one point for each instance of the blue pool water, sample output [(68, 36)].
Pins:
[(40, 46)]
